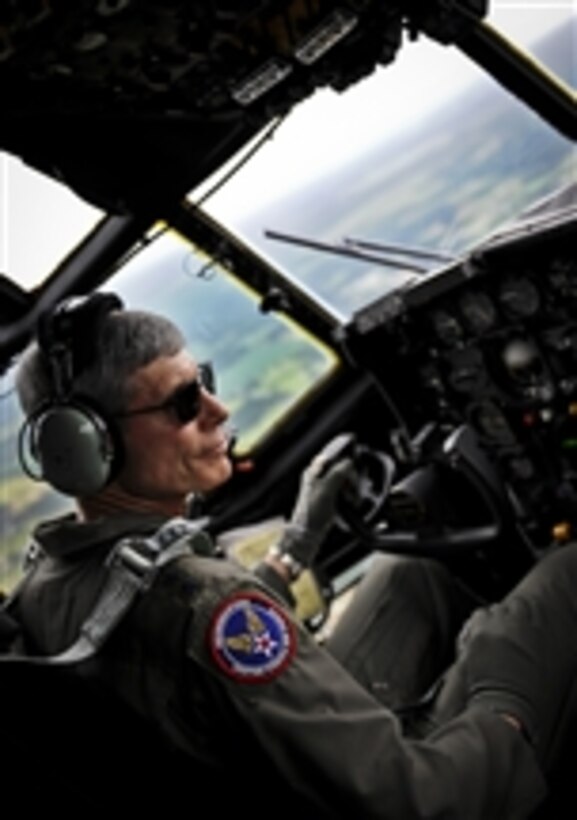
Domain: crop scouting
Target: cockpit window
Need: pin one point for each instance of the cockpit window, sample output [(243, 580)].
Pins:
[(526, 22), (34, 205), (427, 153)]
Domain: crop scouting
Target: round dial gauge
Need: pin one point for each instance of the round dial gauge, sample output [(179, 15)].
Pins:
[(447, 326), (479, 311), (490, 420), (520, 297)]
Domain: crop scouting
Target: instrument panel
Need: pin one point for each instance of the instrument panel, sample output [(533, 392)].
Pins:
[(492, 342)]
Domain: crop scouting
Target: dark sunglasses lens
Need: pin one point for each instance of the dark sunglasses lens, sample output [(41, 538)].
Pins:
[(186, 402)]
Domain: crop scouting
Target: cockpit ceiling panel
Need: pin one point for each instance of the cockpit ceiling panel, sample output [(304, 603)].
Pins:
[(112, 82)]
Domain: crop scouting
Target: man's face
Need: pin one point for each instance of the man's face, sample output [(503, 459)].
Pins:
[(165, 458)]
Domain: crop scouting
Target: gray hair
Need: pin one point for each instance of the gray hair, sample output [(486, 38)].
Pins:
[(126, 340)]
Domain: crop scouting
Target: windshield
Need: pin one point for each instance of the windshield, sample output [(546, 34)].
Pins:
[(427, 153), (428, 150)]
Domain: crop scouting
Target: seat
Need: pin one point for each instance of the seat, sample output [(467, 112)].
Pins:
[(69, 746)]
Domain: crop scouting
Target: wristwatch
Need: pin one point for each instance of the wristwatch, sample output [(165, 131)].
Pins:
[(289, 562)]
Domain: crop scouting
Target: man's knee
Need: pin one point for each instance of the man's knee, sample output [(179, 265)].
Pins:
[(415, 577), (557, 570)]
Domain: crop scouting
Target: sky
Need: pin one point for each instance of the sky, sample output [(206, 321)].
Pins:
[(328, 125), (321, 132)]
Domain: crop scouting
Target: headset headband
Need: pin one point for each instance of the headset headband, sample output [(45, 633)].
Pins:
[(67, 335)]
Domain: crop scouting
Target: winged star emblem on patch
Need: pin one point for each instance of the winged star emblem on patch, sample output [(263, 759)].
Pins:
[(251, 638)]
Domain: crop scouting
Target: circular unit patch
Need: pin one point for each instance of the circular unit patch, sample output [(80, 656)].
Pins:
[(251, 639)]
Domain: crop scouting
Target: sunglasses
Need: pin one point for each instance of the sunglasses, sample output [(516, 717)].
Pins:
[(185, 401)]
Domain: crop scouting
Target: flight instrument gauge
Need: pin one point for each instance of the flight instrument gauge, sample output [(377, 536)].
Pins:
[(520, 297), (447, 326), (479, 311)]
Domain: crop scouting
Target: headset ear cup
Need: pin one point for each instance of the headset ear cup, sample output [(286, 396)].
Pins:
[(75, 448)]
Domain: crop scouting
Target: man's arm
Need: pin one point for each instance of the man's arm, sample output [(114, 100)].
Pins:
[(330, 740), (313, 516)]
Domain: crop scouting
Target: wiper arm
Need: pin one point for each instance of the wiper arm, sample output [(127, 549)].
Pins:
[(339, 250), (401, 250)]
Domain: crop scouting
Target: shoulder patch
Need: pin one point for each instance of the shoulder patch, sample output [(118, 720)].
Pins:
[(251, 639)]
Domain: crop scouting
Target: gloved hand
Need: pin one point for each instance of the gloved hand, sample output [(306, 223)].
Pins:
[(314, 511)]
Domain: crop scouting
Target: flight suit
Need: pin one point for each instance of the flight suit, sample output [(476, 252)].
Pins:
[(212, 656)]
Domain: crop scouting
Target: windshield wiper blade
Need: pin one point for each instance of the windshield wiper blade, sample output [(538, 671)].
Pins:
[(401, 250), (341, 250)]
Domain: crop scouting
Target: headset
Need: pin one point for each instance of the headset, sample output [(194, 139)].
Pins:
[(71, 442)]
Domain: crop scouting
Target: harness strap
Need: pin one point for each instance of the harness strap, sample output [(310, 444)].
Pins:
[(133, 564)]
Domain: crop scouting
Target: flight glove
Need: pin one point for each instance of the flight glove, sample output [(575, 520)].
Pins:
[(321, 486)]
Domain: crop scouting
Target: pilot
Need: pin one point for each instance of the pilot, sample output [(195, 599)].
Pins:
[(212, 654)]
